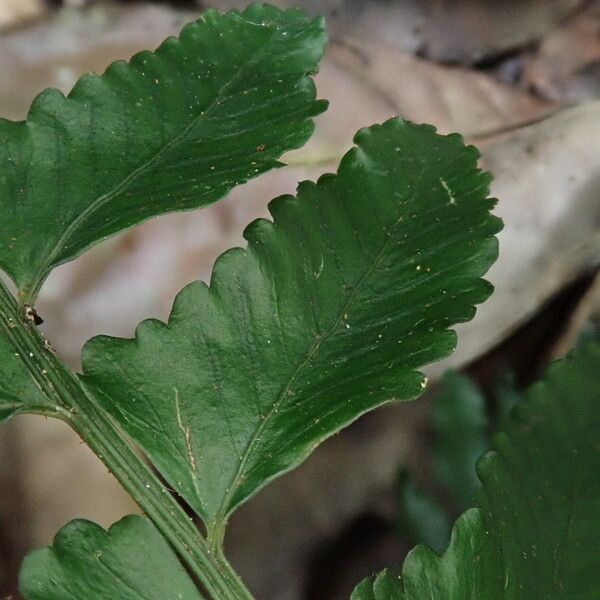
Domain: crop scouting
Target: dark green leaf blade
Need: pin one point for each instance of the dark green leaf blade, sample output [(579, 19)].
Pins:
[(536, 532), (554, 489), (382, 587), (327, 314), (460, 427), (130, 561), (171, 130)]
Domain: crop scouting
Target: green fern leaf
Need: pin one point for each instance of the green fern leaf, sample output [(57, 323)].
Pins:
[(535, 533), (130, 561), (327, 314), (171, 130)]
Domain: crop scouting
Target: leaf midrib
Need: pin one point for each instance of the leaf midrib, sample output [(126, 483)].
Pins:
[(105, 198), (224, 509)]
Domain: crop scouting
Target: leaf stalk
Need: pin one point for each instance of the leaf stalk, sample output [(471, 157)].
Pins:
[(65, 398)]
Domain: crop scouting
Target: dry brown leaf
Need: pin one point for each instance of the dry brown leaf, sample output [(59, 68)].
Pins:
[(565, 67), (452, 98), (472, 30), (15, 12), (546, 176), (56, 51), (442, 30)]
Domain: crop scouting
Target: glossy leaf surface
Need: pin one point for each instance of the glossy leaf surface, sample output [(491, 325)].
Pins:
[(535, 533), (171, 130), (328, 313), (383, 587), (130, 561)]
